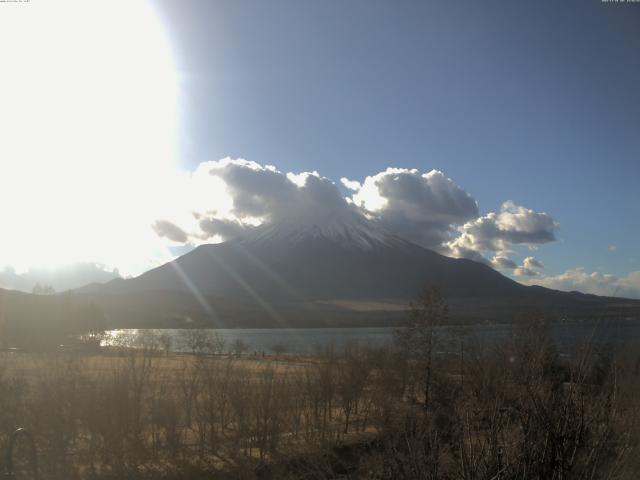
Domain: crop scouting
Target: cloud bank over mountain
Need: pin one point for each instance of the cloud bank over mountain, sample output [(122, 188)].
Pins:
[(530, 267), (421, 207), (223, 199), (498, 232), (592, 282), (427, 208)]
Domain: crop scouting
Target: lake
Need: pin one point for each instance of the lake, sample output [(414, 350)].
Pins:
[(565, 335)]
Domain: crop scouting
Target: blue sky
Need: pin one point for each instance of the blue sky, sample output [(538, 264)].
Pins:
[(533, 102), (536, 102)]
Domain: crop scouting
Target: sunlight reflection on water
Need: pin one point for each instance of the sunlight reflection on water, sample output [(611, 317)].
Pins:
[(308, 340)]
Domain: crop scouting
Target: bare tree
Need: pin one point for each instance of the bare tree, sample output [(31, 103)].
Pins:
[(239, 347), (419, 335), (279, 349), (353, 376), (201, 341)]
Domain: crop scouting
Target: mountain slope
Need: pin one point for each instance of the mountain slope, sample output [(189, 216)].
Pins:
[(318, 264), (293, 273)]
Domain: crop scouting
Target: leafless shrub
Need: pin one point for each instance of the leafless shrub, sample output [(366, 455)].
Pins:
[(279, 349), (239, 347), (516, 411), (202, 341)]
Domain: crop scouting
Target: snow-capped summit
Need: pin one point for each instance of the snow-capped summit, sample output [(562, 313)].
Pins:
[(315, 259), (354, 232)]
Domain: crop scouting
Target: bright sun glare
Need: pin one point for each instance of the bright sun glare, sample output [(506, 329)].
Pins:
[(88, 114)]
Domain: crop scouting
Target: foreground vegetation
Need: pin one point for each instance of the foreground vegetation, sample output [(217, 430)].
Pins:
[(410, 411)]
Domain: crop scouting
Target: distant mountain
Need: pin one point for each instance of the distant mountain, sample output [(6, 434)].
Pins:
[(28, 319), (60, 278), (340, 272)]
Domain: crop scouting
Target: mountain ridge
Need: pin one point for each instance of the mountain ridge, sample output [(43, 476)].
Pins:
[(300, 273)]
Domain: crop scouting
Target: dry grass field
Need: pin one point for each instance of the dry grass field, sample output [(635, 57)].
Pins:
[(515, 411)]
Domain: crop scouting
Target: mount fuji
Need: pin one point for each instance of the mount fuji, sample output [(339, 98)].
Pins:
[(339, 271)]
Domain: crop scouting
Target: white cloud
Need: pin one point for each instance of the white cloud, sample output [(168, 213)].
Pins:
[(530, 267), (351, 184), (593, 282), (235, 195), (525, 272), (532, 262), (224, 228), (243, 194), (422, 207), (500, 262), (612, 248), (222, 199), (165, 228), (497, 232)]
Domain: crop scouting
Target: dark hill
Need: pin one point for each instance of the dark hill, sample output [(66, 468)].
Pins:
[(337, 274)]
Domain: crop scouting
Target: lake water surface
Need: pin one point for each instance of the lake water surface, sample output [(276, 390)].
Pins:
[(566, 336)]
